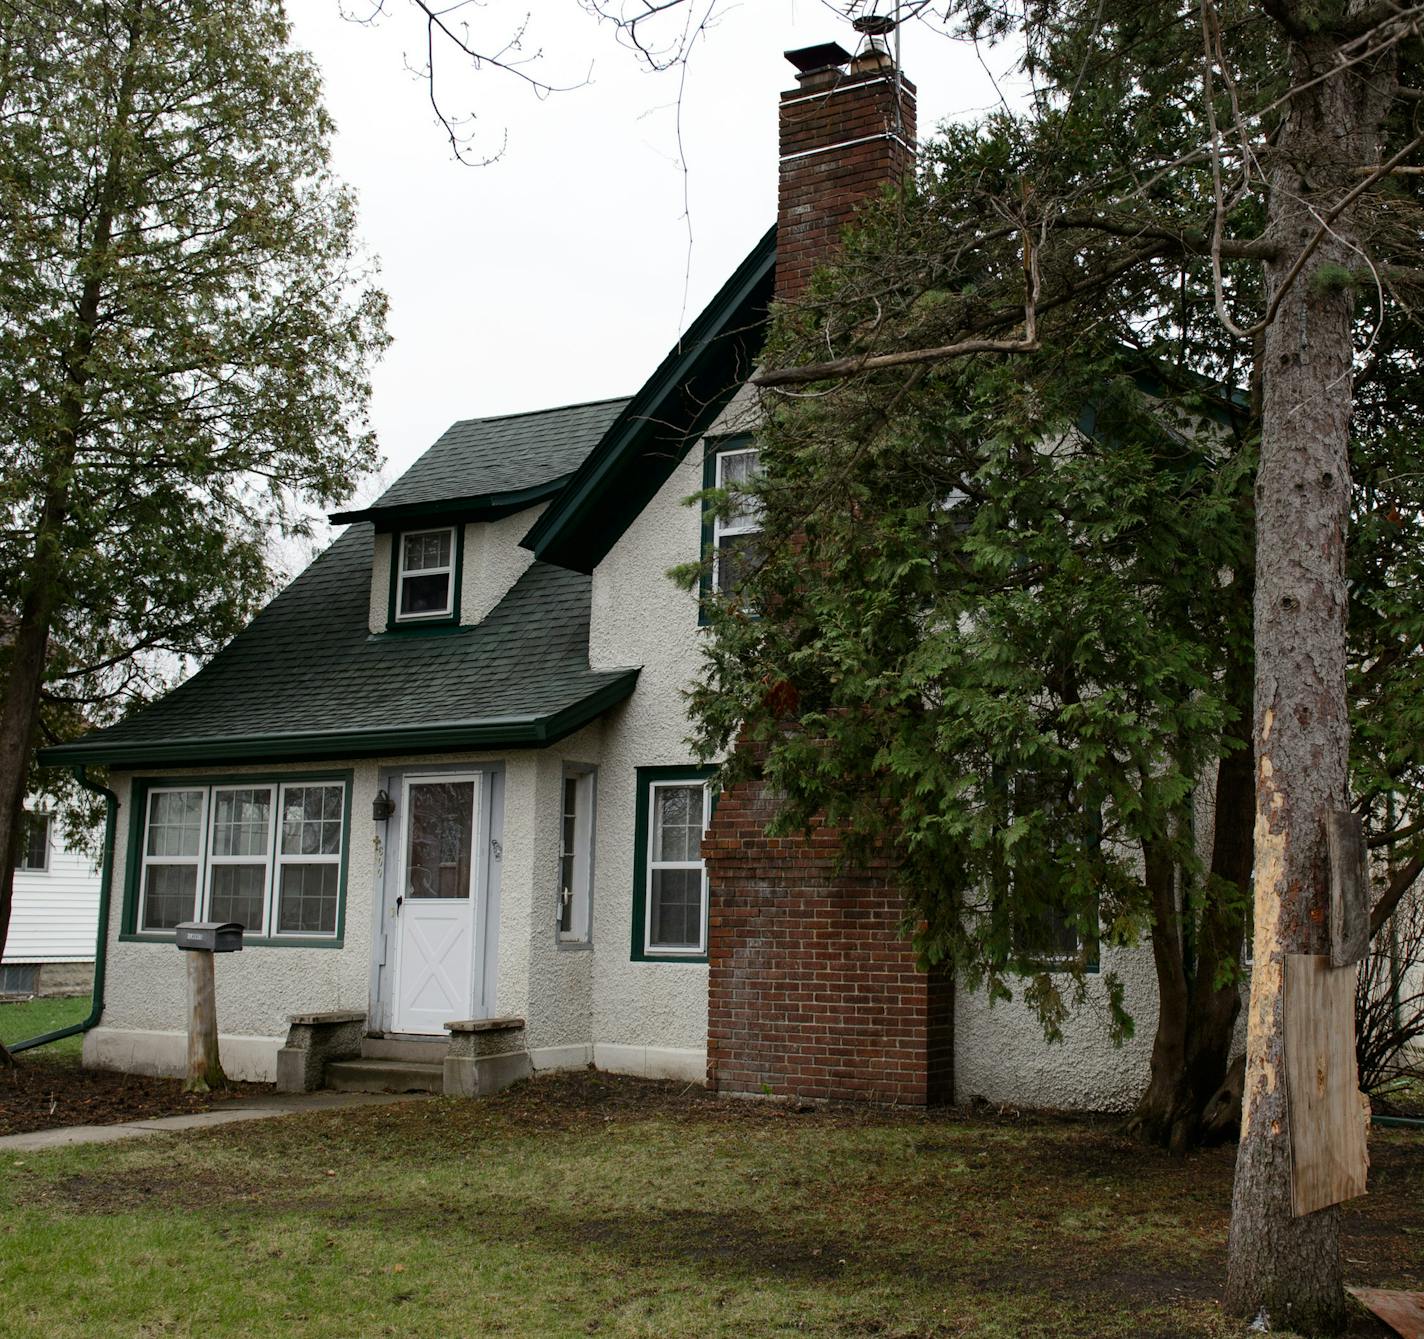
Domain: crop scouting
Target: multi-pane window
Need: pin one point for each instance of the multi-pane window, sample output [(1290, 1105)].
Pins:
[(676, 916), (267, 856), (34, 844), (425, 578), (734, 531), (309, 860), (575, 855)]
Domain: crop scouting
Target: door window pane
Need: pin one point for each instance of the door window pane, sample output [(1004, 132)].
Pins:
[(441, 839)]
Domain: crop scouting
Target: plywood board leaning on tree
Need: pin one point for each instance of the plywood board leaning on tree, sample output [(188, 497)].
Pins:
[(1329, 1116)]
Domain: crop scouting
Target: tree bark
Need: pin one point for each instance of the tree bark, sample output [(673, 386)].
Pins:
[(1287, 1267)]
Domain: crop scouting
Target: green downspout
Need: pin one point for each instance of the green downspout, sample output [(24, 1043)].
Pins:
[(106, 874)]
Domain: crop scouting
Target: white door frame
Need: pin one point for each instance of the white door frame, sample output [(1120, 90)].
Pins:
[(390, 876), (475, 920)]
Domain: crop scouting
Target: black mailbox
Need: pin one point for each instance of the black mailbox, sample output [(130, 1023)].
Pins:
[(215, 936)]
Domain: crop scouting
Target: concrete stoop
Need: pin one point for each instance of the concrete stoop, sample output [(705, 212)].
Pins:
[(480, 1057)]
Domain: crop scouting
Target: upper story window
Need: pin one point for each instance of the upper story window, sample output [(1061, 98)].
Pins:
[(734, 532), (425, 574), (34, 844), (267, 855)]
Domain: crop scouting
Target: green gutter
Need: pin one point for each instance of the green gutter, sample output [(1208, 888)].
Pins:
[(106, 876), (474, 507), (495, 732)]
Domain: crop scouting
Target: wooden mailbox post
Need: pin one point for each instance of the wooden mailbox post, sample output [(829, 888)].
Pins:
[(200, 940)]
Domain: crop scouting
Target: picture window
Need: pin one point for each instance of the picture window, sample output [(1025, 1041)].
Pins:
[(267, 856)]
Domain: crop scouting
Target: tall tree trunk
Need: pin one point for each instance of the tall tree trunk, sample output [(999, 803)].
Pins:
[(1289, 1267), (43, 582)]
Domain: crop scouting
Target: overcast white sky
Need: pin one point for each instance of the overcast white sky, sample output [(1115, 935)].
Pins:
[(557, 273)]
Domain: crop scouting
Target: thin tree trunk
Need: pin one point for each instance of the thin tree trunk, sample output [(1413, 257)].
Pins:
[(1287, 1267), (1216, 985), (1196, 1015), (1162, 1107)]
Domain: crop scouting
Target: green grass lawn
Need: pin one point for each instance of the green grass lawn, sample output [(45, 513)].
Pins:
[(586, 1205), (38, 1016)]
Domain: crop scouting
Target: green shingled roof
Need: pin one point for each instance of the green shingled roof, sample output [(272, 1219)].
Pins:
[(307, 680), (481, 468)]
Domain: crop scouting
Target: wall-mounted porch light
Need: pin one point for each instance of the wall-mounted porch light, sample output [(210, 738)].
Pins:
[(381, 807)]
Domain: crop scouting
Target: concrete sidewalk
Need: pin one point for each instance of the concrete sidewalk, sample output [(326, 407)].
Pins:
[(247, 1108)]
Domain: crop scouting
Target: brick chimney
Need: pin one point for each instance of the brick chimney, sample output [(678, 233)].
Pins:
[(847, 131)]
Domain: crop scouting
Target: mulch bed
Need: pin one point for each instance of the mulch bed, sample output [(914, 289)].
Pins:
[(46, 1094)]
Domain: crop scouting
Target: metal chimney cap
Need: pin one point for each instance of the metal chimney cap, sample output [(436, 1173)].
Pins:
[(826, 56)]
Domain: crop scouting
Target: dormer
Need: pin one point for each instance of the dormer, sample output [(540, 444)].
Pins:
[(447, 535)]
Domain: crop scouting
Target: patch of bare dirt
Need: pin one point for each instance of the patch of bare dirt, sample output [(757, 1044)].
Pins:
[(42, 1094)]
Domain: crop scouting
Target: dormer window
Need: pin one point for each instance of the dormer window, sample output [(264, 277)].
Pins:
[(425, 575)]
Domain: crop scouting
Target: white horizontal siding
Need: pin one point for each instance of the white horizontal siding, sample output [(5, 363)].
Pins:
[(56, 912)]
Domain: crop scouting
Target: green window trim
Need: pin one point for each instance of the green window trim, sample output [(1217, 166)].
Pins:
[(715, 447), (139, 787), (426, 622), (645, 779)]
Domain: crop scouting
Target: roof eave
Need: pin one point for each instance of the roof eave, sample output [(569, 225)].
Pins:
[(531, 731), (475, 507), (575, 531)]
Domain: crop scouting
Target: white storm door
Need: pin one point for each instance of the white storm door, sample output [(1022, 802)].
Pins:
[(435, 906)]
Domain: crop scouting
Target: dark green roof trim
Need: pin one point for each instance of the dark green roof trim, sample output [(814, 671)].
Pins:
[(676, 405), (452, 511), (445, 737)]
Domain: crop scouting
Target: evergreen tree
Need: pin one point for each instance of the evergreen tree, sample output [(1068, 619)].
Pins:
[(186, 322)]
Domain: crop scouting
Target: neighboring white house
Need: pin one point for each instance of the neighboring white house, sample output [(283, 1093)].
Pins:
[(55, 914), (445, 774)]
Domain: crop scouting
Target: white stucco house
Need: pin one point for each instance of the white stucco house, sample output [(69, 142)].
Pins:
[(54, 916), (443, 777)]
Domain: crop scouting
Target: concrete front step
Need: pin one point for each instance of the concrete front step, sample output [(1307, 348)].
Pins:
[(385, 1076), (425, 1050)]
